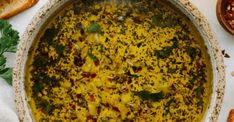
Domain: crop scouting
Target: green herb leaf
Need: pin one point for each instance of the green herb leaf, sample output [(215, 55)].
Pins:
[(164, 53), (9, 37), (175, 43), (171, 102), (93, 57), (49, 35), (172, 70), (170, 22), (40, 61), (37, 87), (157, 20), (192, 52), (200, 103), (49, 109), (146, 95), (135, 75), (2, 61), (59, 49), (199, 91), (94, 28), (6, 74), (8, 41)]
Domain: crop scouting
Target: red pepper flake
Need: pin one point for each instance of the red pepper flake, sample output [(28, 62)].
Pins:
[(91, 98), (128, 113), (136, 69), (72, 106), (88, 75), (99, 110), (79, 96), (116, 109), (97, 62), (80, 39), (90, 117), (107, 105), (93, 75)]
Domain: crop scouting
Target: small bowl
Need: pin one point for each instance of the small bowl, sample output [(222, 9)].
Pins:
[(220, 9)]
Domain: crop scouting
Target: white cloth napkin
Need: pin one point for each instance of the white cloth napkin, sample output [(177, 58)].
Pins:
[(7, 105)]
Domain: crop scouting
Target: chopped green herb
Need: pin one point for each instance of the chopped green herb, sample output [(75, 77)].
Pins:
[(200, 103), (172, 70), (199, 91), (49, 109), (49, 35), (8, 40), (157, 20), (88, 2), (134, 75), (143, 9), (194, 78), (40, 61), (170, 22), (175, 43), (93, 57), (146, 95), (192, 52), (171, 102), (77, 9), (59, 49), (37, 87), (164, 53), (94, 28)]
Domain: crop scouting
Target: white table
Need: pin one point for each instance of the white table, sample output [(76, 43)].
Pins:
[(207, 7)]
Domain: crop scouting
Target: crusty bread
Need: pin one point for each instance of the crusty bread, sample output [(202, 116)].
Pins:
[(231, 116), (10, 8)]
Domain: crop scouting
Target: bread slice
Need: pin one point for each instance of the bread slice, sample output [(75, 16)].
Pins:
[(231, 116), (10, 8)]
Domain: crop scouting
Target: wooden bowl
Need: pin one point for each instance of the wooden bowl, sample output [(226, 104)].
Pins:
[(220, 9)]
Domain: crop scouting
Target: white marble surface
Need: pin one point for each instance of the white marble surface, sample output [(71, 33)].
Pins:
[(207, 7)]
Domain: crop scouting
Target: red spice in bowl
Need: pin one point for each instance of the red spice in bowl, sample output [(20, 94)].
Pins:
[(225, 14), (229, 13)]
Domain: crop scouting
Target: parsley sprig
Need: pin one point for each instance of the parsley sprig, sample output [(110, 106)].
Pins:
[(8, 41)]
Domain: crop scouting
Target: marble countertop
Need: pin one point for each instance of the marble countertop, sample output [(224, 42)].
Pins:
[(207, 7)]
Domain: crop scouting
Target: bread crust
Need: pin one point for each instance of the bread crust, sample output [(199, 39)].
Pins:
[(17, 9), (231, 116)]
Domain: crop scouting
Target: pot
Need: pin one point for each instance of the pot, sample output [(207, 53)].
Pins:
[(53, 6)]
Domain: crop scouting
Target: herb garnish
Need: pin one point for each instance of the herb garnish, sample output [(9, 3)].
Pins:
[(92, 56), (146, 95), (164, 53), (94, 28), (192, 52), (8, 40), (159, 21)]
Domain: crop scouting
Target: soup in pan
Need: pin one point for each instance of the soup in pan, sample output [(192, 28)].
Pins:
[(119, 61)]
